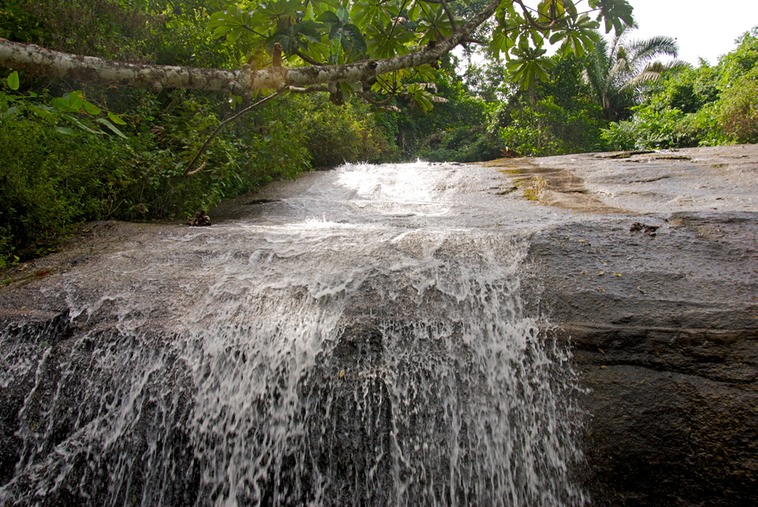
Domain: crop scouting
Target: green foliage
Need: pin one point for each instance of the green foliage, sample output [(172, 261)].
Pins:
[(548, 128), (72, 152), (159, 31), (529, 67), (340, 32), (13, 81), (6, 247), (558, 116), (461, 144), (619, 136), (688, 89), (55, 176), (49, 181), (520, 33), (618, 72), (455, 129), (65, 166), (697, 107), (337, 134), (738, 103)]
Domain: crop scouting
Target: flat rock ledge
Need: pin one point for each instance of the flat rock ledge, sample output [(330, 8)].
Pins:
[(648, 267)]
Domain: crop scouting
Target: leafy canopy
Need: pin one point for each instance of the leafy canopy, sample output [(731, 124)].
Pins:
[(334, 32)]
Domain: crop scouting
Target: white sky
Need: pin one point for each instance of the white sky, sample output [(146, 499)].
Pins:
[(702, 28)]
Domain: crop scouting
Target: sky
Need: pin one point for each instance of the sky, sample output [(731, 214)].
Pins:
[(703, 29)]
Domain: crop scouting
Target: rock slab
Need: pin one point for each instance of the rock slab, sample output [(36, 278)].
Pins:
[(645, 262)]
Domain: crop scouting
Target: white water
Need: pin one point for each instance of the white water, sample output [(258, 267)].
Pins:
[(360, 343)]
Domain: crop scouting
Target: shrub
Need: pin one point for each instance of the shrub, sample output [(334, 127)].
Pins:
[(547, 128), (739, 109), (337, 134), (54, 176), (697, 107), (461, 144), (619, 136)]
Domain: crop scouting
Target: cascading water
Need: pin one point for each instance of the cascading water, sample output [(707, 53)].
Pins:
[(357, 344)]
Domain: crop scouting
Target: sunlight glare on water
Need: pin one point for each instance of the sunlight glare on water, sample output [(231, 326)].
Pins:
[(359, 348)]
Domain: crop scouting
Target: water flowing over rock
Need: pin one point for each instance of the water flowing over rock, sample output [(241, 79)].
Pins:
[(408, 334), (349, 347)]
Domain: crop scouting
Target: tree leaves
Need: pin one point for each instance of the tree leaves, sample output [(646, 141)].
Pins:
[(116, 119), (234, 24), (348, 41), (418, 93), (339, 32), (13, 81), (615, 13), (553, 10), (342, 32), (72, 102), (74, 108), (367, 12), (389, 39), (520, 35), (529, 70), (435, 24), (615, 72), (110, 126), (578, 37)]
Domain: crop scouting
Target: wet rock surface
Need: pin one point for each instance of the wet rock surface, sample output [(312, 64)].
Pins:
[(656, 287), (645, 262), (664, 335)]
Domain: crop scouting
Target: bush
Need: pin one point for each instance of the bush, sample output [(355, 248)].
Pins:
[(6, 247), (619, 136), (59, 171), (706, 106), (65, 161), (739, 109), (337, 134), (49, 181), (547, 128), (461, 144), (63, 167)]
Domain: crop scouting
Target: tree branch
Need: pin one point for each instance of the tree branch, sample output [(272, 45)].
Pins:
[(447, 10), (310, 89), (449, 13), (45, 62), (306, 58), (188, 171), (528, 15)]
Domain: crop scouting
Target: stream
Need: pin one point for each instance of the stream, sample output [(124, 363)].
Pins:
[(363, 341)]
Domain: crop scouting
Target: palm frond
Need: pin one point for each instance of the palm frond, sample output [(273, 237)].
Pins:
[(654, 72), (644, 77), (648, 49), (619, 67), (596, 73)]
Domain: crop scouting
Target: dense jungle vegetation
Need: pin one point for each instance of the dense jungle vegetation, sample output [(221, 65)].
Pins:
[(74, 151)]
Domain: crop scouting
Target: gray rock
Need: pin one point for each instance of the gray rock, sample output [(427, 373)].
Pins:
[(645, 263)]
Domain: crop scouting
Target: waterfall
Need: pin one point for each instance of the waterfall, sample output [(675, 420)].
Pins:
[(363, 342)]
